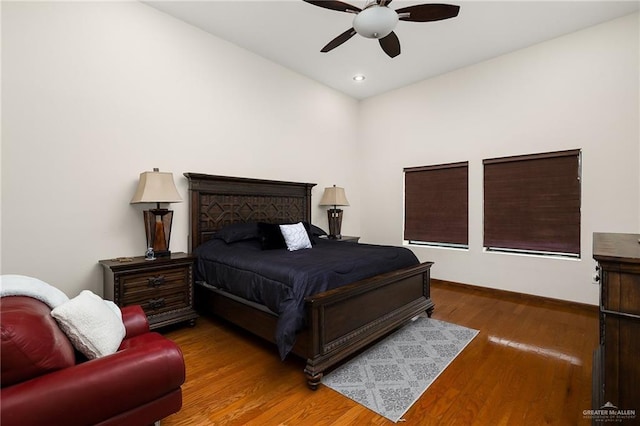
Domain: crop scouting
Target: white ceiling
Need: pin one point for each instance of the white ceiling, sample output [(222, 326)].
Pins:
[(292, 32)]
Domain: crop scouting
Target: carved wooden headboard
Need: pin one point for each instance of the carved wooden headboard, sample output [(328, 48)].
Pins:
[(216, 201)]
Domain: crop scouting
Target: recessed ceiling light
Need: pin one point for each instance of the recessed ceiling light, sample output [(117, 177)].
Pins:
[(359, 77)]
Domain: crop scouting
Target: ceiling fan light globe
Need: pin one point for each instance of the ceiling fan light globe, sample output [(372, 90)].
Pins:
[(375, 21)]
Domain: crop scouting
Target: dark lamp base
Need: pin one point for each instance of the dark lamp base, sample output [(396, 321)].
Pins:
[(334, 217), (157, 225)]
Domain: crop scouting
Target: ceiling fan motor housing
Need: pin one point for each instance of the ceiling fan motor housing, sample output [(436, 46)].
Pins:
[(375, 21)]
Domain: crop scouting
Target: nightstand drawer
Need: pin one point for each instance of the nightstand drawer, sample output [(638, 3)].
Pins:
[(161, 301), (142, 286)]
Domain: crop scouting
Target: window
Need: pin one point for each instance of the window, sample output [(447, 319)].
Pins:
[(436, 204), (532, 203)]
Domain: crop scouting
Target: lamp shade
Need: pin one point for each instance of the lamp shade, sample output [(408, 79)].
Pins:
[(156, 187), (334, 196)]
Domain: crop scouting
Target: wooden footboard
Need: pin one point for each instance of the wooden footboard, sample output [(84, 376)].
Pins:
[(340, 321), (344, 320)]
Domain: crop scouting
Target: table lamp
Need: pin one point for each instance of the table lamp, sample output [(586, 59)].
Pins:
[(157, 187), (334, 196)]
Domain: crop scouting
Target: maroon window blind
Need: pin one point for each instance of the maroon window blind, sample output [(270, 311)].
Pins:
[(436, 204), (532, 202)]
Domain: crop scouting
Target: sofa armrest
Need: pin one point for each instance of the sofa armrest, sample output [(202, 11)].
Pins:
[(135, 320), (147, 368)]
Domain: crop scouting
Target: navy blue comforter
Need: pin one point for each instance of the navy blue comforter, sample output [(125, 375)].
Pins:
[(280, 279)]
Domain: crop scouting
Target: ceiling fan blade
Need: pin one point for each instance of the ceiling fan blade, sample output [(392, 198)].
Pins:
[(334, 5), (390, 44), (428, 12), (339, 40), (384, 2)]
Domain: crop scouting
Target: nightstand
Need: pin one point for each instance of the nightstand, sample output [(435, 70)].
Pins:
[(344, 238), (163, 287)]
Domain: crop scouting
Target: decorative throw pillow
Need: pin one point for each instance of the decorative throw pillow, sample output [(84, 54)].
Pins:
[(295, 236), (92, 326), (316, 230), (238, 232), (271, 237)]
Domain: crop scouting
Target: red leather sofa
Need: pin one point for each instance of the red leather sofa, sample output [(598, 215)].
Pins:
[(46, 382)]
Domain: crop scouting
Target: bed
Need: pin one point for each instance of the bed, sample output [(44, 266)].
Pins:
[(331, 331)]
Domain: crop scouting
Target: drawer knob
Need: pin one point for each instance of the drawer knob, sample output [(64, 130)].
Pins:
[(156, 281), (156, 303)]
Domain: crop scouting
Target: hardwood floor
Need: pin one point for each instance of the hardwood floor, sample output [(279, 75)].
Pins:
[(529, 365)]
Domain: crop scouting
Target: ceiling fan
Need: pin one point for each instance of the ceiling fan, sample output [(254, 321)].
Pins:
[(378, 21)]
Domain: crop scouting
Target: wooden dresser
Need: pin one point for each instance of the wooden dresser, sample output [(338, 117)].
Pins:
[(616, 366), (163, 287)]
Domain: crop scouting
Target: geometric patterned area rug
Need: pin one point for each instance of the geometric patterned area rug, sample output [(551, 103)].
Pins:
[(390, 376)]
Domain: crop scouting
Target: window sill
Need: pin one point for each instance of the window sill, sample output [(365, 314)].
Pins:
[(455, 247), (540, 255)]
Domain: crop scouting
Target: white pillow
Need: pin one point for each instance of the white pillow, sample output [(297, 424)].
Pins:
[(295, 236), (93, 327)]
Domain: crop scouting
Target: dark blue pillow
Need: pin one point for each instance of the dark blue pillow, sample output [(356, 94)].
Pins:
[(270, 236), (315, 230), (238, 232)]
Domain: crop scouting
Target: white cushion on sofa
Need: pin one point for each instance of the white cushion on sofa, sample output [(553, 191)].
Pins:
[(91, 324)]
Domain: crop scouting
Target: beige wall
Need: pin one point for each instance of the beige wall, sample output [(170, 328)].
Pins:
[(95, 93), (577, 91)]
